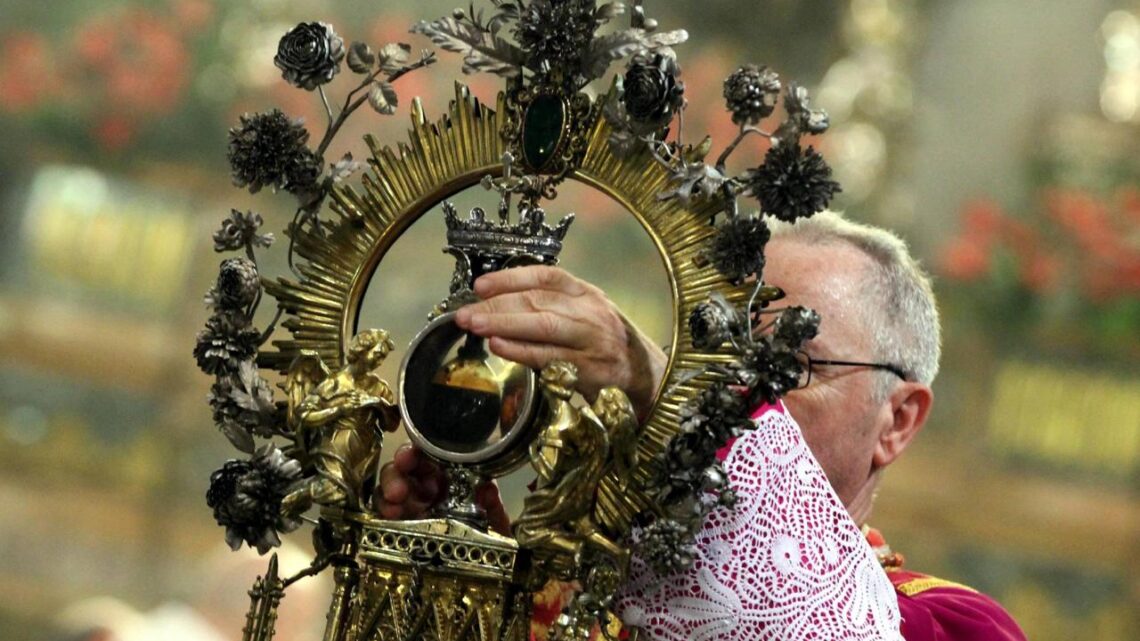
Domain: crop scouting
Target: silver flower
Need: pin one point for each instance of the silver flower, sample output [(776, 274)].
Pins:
[(241, 230), (237, 287), (246, 498), (750, 93), (309, 55), (225, 343), (712, 323)]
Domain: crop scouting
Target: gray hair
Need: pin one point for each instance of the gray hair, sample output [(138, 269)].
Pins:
[(899, 306)]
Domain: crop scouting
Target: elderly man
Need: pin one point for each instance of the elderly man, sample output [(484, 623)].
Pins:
[(865, 395)]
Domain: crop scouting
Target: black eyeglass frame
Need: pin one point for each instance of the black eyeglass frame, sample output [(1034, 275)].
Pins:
[(812, 362)]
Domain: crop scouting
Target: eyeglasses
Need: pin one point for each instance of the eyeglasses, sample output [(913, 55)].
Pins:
[(807, 363)]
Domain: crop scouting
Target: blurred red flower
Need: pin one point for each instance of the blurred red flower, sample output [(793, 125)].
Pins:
[(114, 132), (27, 72), (192, 15), (964, 259), (1095, 239)]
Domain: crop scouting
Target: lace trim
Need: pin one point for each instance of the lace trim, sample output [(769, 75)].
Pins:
[(787, 563)]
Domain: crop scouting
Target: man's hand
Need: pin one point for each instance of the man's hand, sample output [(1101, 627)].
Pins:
[(411, 484), (533, 315)]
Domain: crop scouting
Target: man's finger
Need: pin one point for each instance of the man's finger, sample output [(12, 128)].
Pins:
[(520, 279), (541, 327), (529, 301), (407, 458), (534, 355), (394, 487), (488, 497)]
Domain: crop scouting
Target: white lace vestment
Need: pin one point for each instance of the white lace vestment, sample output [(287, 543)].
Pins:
[(787, 563)]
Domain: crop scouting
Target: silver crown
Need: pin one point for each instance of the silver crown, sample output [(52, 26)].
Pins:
[(488, 245)]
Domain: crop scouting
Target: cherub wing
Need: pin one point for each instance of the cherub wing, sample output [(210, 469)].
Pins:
[(306, 372), (616, 413)]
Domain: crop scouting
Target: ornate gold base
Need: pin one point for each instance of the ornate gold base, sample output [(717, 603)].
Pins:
[(431, 580)]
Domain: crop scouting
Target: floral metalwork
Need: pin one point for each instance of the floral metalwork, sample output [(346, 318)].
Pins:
[(737, 249), (270, 150), (226, 342), (792, 183), (309, 55), (713, 322), (238, 285), (750, 93), (651, 89), (246, 498), (240, 230)]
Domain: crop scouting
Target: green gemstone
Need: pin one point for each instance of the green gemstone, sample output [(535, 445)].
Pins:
[(542, 130)]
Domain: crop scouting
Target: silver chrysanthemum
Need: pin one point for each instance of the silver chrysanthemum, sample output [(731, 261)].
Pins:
[(737, 249), (243, 406), (246, 498), (271, 150), (241, 230), (750, 93), (792, 183), (226, 342), (666, 547)]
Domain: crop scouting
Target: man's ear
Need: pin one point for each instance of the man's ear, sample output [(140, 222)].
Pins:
[(909, 406)]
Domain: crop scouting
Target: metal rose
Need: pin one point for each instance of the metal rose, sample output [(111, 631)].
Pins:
[(309, 55), (246, 498), (712, 323), (651, 92), (792, 183), (750, 93), (737, 249), (241, 230), (237, 287)]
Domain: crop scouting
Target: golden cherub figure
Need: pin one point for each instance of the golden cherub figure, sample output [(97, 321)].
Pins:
[(575, 450), (339, 420)]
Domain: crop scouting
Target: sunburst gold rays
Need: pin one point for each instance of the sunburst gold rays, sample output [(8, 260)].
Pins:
[(680, 233), (438, 160), (444, 157)]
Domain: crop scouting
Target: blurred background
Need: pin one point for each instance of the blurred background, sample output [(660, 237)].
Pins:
[(999, 137)]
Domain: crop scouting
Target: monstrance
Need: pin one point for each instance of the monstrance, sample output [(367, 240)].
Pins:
[(609, 487)]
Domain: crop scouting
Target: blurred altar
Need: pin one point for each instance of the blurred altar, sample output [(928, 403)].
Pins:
[(1000, 138)]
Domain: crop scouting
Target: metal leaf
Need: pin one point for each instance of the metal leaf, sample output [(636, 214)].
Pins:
[(693, 179), (628, 42), (238, 436), (481, 50), (667, 39), (344, 168), (608, 12), (393, 56), (360, 57), (383, 98)]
